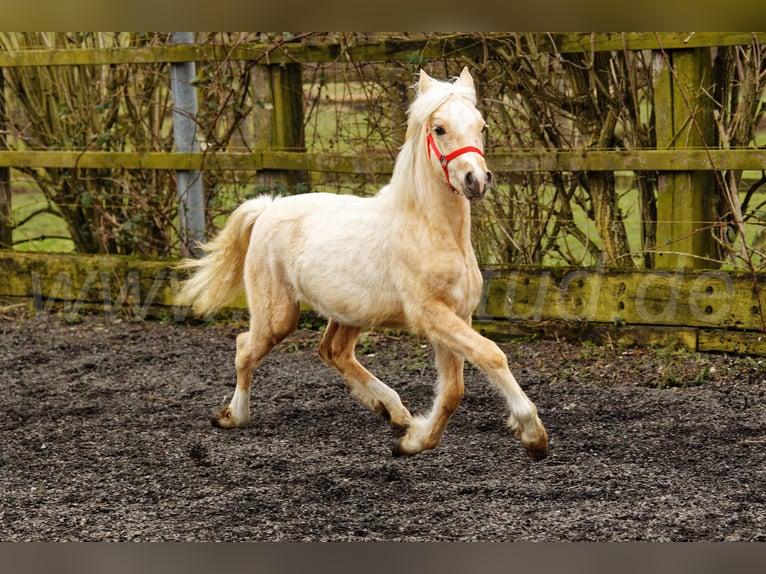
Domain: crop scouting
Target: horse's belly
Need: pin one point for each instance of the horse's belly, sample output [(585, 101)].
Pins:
[(352, 304), (348, 289), (334, 252)]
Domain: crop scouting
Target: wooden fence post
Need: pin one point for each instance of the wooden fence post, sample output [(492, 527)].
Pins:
[(684, 119), (278, 120), (6, 227), (191, 197), (261, 118)]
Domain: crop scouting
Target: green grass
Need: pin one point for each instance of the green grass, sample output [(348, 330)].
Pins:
[(25, 201)]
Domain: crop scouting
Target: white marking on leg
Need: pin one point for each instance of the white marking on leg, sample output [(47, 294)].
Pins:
[(375, 393), (240, 408), (417, 435), (522, 411)]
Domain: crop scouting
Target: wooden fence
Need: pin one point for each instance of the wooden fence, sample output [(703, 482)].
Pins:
[(675, 304), (698, 310)]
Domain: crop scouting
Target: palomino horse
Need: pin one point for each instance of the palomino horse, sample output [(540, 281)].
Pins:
[(401, 259)]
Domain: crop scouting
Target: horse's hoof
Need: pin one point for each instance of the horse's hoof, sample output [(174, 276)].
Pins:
[(398, 451), (540, 448), (223, 420), (538, 452), (399, 430)]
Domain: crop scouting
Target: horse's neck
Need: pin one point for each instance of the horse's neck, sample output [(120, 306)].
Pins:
[(445, 210), (432, 205), (423, 198), (449, 212)]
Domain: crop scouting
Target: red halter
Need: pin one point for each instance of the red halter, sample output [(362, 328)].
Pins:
[(445, 159)]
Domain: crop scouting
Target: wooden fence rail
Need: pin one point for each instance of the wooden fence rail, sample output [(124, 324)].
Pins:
[(379, 50), (371, 163)]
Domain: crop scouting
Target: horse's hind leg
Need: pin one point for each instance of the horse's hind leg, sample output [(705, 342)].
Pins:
[(267, 329), (337, 350)]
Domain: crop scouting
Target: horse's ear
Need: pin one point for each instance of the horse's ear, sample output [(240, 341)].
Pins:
[(425, 81), (465, 79)]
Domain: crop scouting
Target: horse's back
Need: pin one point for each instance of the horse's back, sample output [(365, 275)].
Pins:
[(334, 252), (317, 219)]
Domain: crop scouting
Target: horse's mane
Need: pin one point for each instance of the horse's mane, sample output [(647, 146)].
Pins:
[(425, 104), (404, 176)]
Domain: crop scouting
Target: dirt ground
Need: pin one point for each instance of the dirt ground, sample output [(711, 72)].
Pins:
[(105, 435)]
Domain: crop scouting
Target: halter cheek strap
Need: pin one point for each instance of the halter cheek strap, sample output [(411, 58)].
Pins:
[(445, 159)]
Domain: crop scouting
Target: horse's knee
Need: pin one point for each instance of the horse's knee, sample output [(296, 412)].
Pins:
[(243, 340), (334, 355), (338, 353), (490, 357)]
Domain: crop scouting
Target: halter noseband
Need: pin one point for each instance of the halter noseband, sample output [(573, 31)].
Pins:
[(445, 159)]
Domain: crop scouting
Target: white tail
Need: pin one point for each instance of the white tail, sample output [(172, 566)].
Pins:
[(217, 278)]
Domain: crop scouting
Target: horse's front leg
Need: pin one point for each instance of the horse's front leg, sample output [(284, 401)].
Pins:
[(425, 432), (445, 328)]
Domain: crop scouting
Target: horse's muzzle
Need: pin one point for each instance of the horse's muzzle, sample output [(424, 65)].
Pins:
[(476, 187)]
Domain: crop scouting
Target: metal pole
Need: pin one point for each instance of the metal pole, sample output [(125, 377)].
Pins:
[(191, 197)]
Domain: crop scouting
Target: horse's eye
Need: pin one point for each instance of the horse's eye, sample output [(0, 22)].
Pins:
[(484, 128), (439, 131)]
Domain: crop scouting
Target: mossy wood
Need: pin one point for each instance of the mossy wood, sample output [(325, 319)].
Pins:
[(684, 119), (6, 223), (711, 299), (378, 50), (703, 310), (590, 160), (81, 279)]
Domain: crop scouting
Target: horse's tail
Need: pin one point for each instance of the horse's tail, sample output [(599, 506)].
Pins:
[(218, 277)]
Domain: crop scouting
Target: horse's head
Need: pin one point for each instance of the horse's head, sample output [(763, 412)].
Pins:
[(453, 135)]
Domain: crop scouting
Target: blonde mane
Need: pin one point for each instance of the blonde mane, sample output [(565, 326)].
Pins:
[(425, 104)]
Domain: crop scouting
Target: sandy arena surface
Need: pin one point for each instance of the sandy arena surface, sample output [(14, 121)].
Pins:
[(105, 435)]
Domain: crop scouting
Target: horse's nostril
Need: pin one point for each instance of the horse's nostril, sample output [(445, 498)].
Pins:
[(489, 178), (469, 179)]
